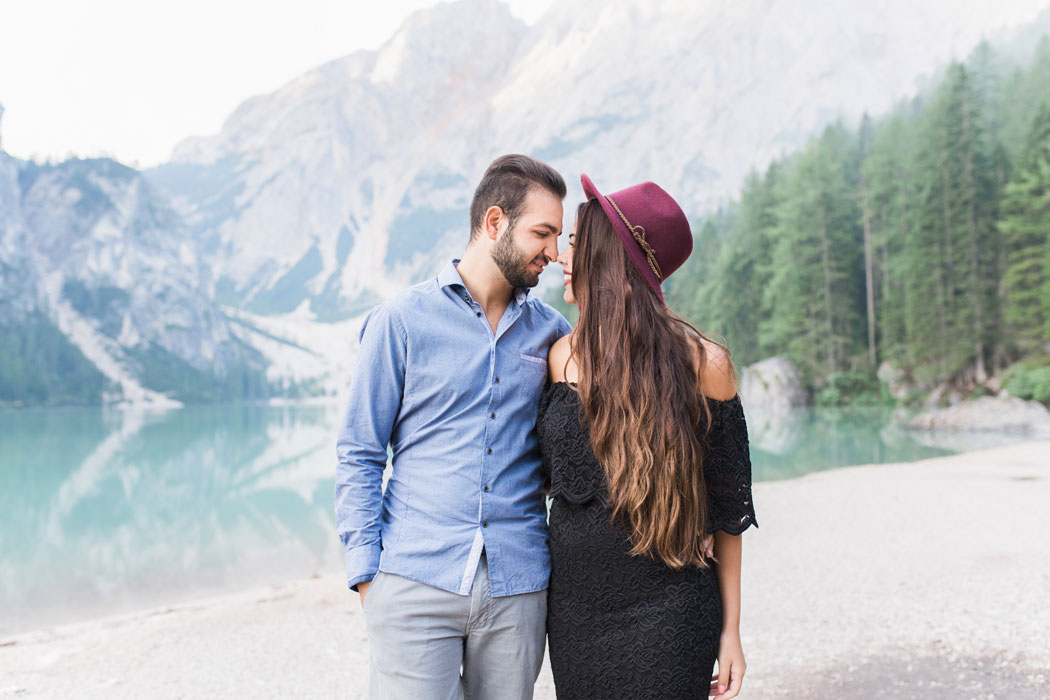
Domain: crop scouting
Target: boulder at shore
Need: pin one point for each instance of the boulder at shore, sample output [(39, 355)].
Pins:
[(988, 413), (895, 379), (773, 385), (773, 396)]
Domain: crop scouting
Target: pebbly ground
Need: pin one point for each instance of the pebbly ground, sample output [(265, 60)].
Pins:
[(928, 580)]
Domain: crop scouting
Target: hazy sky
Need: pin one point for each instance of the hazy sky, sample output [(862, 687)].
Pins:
[(131, 78)]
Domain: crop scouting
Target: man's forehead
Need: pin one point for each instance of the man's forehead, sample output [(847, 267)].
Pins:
[(542, 209)]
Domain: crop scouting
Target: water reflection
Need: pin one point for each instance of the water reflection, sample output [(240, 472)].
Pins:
[(105, 512), (109, 511), (777, 432), (805, 439)]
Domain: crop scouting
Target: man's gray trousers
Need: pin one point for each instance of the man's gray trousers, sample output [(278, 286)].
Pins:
[(429, 644)]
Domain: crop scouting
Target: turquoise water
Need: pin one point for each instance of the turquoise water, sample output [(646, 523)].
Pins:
[(106, 512), (814, 439)]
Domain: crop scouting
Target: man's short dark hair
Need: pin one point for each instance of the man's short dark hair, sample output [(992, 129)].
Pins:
[(506, 183)]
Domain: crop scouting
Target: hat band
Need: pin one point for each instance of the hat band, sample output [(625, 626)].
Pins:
[(639, 235)]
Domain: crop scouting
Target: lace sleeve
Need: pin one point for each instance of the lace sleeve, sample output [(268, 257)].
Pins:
[(727, 469)]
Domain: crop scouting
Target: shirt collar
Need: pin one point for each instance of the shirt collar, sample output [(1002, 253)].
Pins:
[(449, 276)]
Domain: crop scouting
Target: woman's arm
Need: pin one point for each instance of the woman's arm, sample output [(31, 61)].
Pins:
[(718, 381), (726, 683)]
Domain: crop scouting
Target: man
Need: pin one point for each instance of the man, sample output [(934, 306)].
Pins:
[(451, 562)]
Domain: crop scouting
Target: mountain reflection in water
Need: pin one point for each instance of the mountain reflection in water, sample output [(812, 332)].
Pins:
[(110, 511), (106, 511)]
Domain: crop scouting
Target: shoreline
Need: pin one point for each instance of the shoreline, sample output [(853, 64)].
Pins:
[(916, 580)]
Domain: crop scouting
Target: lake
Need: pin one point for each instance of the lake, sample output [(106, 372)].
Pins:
[(107, 512)]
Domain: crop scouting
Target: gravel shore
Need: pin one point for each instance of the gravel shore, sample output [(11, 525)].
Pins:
[(926, 580)]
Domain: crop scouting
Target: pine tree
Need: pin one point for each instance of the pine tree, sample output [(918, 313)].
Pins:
[(1023, 93), (814, 295), (987, 69), (902, 241), (734, 301), (889, 175), (955, 260), (1025, 228), (865, 200)]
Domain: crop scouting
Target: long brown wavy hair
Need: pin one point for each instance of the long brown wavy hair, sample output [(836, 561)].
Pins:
[(640, 397)]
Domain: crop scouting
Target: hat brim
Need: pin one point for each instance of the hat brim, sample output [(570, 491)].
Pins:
[(634, 251)]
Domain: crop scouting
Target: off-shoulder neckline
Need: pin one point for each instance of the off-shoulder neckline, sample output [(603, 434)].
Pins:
[(735, 397)]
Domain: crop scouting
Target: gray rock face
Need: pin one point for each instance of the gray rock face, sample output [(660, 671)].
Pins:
[(353, 180), (895, 380), (774, 384), (988, 414), (96, 250), (19, 284), (772, 394)]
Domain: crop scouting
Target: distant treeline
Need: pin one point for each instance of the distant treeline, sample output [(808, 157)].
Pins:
[(921, 238)]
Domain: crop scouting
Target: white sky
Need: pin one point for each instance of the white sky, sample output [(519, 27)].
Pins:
[(131, 78)]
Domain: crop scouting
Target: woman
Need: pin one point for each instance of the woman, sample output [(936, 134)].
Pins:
[(645, 445)]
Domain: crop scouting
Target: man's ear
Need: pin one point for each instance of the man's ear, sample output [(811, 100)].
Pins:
[(492, 224)]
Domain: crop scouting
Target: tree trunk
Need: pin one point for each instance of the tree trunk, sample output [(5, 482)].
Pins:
[(976, 284), (829, 316), (946, 265), (869, 282)]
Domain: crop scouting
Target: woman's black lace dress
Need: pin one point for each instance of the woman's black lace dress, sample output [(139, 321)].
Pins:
[(622, 626)]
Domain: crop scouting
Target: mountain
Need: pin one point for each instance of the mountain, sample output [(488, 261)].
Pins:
[(242, 267), (353, 180), (327, 191), (108, 300)]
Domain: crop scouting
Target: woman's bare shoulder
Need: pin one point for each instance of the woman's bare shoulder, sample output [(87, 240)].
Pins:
[(717, 378), (559, 360)]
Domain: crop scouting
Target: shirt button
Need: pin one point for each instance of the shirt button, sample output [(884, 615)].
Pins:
[(478, 314), (492, 415), (497, 380), (485, 524), (486, 489), (490, 450)]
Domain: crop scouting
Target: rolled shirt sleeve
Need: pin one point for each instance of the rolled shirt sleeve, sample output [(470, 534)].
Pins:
[(375, 399)]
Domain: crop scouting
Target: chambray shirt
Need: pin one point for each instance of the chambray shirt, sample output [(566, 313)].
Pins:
[(457, 405)]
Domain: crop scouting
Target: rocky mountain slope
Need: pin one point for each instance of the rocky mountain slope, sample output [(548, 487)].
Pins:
[(102, 286), (353, 180), (242, 266)]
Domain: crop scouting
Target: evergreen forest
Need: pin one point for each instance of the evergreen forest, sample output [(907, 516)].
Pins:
[(919, 242)]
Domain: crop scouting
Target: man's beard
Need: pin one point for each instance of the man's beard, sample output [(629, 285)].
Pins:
[(513, 263)]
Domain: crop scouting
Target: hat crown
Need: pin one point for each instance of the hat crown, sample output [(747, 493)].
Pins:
[(666, 227), (652, 227)]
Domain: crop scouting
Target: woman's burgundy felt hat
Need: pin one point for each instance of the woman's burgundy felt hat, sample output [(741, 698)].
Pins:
[(651, 226)]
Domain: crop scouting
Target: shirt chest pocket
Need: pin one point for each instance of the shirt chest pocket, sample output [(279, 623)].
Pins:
[(533, 374)]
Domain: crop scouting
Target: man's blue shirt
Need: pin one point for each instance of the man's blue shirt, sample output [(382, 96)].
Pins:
[(457, 405)]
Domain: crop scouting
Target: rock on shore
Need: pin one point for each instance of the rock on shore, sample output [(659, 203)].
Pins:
[(988, 414), (772, 393), (774, 385)]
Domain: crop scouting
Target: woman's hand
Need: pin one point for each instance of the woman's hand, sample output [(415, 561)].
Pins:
[(726, 683)]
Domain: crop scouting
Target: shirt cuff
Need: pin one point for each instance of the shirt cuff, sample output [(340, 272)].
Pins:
[(362, 563)]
